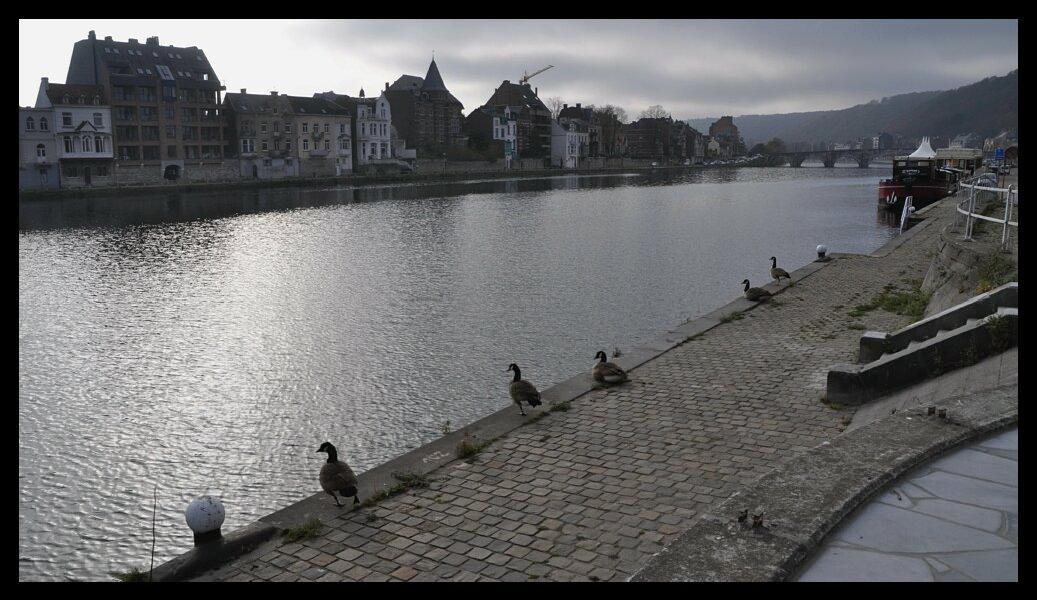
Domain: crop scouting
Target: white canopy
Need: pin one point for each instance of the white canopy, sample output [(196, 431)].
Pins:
[(924, 150)]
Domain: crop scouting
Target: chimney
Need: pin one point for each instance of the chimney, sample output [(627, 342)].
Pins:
[(387, 86), (506, 81), (92, 35), (565, 106), (243, 91), (536, 92), (45, 80), (134, 41), (577, 105), (274, 93), (153, 41), (107, 38)]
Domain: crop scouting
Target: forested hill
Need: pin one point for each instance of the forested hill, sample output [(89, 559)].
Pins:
[(987, 107)]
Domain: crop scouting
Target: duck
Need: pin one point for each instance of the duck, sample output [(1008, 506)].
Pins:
[(336, 476), (777, 272), (522, 390), (755, 294), (607, 372)]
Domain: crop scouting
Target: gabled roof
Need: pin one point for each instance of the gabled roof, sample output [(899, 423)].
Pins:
[(89, 54), (407, 83), (516, 95)]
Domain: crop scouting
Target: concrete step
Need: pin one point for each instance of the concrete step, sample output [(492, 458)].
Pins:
[(974, 340), (875, 344)]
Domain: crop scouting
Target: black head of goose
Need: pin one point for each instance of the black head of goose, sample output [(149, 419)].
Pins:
[(777, 272), (522, 390), (755, 294), (607, 372), (336, 476)]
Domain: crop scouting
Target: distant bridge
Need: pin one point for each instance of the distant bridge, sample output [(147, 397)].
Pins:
[(863, 156)]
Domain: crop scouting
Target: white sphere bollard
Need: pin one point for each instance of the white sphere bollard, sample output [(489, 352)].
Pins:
[(822, 250), (204, 516)]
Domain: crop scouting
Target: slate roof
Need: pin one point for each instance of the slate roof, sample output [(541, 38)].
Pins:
[(255, 103), (316, 106), (433, 81), (56, 93), (90, 53)]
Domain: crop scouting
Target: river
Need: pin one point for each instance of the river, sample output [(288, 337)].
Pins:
[(209, 342)]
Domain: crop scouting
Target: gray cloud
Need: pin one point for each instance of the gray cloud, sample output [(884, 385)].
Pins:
[(692, 68)]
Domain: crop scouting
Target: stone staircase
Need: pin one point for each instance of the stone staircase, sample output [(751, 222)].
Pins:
[(959, 336)]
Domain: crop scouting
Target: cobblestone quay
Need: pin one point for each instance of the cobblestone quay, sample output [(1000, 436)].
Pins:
[(593, 492)]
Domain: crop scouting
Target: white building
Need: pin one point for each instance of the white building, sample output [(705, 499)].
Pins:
[(504, 129), (568, 143), (374, 133), (82, 126)]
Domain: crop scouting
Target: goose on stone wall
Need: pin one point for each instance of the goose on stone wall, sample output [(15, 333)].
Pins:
[(754, 293), (522, 390), (607, 372), (777, 272), (336, 476)]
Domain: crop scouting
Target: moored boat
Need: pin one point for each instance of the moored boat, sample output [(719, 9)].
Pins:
[(916, 175)]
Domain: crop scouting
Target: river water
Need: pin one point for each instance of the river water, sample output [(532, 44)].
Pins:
[(209, 342)]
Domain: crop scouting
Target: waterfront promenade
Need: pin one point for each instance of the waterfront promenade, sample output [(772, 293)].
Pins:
[(593, 492)]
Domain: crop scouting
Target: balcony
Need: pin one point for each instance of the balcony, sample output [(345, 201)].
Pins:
[(316, 152)]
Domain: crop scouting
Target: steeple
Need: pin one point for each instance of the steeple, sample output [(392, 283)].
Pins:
[(433, 81)]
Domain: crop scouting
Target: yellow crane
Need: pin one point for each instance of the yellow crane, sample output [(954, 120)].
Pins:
[(527, 76)]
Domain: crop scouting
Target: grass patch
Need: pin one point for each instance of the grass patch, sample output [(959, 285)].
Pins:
[(405, 481), (995, 270), (911, 303), (131, 576), (831, 405), (561, 406), (307, 530), (734, 316), (467, 448), (1000, 330)]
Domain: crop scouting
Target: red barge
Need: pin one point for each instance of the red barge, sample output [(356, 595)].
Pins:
[(916, 175)]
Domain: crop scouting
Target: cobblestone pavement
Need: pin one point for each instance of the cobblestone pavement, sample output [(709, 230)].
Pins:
[(592, 493), (954, 519)]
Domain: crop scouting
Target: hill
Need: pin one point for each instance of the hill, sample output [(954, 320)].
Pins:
[(986, 107)]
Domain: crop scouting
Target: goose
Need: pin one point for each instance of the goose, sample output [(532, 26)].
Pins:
[(755, 294), (607, 372), (522, 390), (776, 272), (336, 476)]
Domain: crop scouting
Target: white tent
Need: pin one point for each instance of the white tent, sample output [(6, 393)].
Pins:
[(924, 150)]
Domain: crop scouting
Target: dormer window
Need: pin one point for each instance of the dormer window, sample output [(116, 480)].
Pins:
[(66, 99), (107, 50), (97, 100)]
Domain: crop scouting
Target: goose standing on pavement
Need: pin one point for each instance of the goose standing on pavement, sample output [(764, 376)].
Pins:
[(777, 273), (607, 372), (522, 390), (336, 476), (755, 294)]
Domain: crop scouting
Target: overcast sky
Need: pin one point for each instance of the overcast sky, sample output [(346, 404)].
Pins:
[(692, 68)]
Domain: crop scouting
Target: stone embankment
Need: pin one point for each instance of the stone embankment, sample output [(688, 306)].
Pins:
[(600, 481)]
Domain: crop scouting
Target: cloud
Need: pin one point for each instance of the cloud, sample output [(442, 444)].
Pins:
[(693, 68)]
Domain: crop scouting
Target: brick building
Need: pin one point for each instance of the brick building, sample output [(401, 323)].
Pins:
[(165, 101), (425, 114), (532, 118), (724, 131)]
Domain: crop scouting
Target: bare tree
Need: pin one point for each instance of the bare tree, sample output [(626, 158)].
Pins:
[(555, 104), (655, 111)]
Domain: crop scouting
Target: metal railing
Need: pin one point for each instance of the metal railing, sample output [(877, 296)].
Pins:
[(967, 208)]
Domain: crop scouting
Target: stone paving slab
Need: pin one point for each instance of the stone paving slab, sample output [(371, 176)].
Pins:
[(942, 525), (592, 493)]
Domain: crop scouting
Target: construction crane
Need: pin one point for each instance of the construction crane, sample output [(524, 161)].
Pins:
[(527, 76)]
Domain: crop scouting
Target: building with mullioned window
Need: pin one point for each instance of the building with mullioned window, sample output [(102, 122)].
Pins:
[(165, 102)]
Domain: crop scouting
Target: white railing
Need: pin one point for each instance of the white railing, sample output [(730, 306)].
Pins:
[(967, 207)]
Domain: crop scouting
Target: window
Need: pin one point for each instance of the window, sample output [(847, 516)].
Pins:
[(277, 145), (363, 129), (248, 146), (326, 128), (68, 145), (287, 127), (262, 146), (41, 151), (305, 127), (327, 144), (170, 151), (147, 113), (98, 144), (262, 128), (86, 144), (169, 113), (305, 143), (152, 153), (71, 171), (66, 119), (277, 127), (30, 124), (288, 145), (343, 144), (99, 119), (102, 171), (43, 124), (171, 131)]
